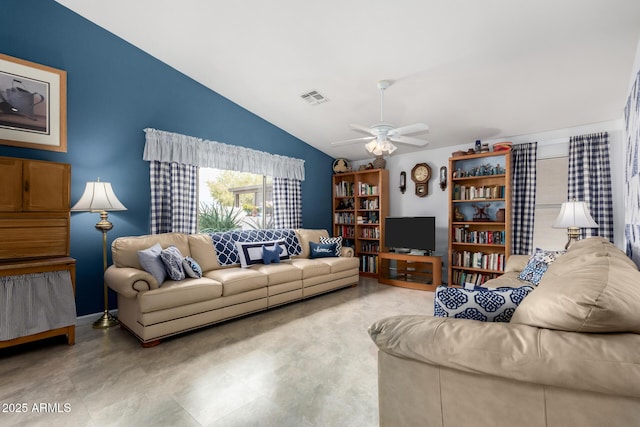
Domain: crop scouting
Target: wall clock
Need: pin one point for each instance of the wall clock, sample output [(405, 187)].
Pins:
[(421, 174)]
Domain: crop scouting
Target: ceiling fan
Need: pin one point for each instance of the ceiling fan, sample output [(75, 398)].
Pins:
[(383, 134)]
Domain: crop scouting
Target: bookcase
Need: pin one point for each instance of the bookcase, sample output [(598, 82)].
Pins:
[(479, 216), (360, 206)]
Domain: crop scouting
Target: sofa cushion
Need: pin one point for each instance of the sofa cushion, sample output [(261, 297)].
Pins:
[(336, 240), (172, 260), (177, 293), (227, 252), (305, 236), (321, 250), (538, 265), (279, 273), (594, 287), (484, 304), (201, 247), (238, 280), (124, 250), (151, 262), (191, 267), (603, 363), (337, 264), (312, 267)]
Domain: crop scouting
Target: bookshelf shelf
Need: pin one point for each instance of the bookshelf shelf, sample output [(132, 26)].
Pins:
[(479, 237), (360, 205)]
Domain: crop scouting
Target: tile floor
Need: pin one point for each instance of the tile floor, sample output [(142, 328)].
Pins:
[(310, 363)]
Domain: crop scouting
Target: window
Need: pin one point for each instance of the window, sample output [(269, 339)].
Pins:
[(230, 200), (551, 192)]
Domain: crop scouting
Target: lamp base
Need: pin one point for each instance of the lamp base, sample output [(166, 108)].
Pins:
[(105, 321), (573, 233)]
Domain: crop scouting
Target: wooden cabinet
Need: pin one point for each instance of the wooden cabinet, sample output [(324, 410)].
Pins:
[(479, 216), (410, 271), (360, 206), (34, 235), (34, 208), (35, 186)]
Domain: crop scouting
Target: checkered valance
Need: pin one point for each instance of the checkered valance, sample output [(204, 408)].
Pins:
[(171, 147)]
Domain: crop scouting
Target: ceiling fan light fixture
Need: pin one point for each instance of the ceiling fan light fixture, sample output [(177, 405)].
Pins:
[(378, 148)]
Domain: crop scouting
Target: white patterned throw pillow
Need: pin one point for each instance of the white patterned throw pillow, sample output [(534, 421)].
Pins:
[(250, 253), (191, 267), (336, 240), (538, 265)]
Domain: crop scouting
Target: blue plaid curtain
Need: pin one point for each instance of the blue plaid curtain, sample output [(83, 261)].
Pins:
[(523, 196), (173, 197), (287, 203), (590, 180)]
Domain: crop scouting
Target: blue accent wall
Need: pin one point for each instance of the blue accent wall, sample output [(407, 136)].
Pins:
[(114, 91)]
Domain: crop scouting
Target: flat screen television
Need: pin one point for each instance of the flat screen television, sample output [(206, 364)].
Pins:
[(417, 233)]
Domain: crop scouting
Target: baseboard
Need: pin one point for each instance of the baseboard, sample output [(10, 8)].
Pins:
[(90, 318)]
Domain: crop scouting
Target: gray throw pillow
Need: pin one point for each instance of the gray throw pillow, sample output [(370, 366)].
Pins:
[(152, 264)]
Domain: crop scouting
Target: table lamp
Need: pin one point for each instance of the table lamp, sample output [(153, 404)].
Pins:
[(574, 216)]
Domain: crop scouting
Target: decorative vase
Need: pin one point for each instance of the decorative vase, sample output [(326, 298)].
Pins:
[(379, 162)]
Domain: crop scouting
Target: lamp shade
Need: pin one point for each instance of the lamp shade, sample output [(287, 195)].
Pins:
[(574, 214), (98, 196)]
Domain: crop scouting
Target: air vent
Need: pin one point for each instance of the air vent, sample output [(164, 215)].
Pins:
[(314, 97)]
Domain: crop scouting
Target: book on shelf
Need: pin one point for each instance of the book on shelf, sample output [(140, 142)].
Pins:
[(369, 263), (344, 189), (479, 260), (463, 192), (368, 189), (465, 235)]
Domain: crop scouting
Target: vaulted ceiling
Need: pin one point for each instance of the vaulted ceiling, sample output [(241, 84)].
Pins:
[(470, 69)]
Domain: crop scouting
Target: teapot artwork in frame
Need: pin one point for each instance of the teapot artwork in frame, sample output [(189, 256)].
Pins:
[(33, 105)]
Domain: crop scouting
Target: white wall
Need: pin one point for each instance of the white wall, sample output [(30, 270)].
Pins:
[(550, 144)]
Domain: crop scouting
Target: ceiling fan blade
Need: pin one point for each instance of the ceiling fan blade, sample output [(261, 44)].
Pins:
[(363, 129), (409, 140), (410, 129), (353, 141)]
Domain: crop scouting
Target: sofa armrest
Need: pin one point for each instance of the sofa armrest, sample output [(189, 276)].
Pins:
[(605, 363), (346, 251), (128, 281)]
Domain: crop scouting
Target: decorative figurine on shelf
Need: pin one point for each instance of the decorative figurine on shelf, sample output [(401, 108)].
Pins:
[(481, 212), (457, 215)]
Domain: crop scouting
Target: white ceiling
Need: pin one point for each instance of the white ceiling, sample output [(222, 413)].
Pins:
[(470, 69)]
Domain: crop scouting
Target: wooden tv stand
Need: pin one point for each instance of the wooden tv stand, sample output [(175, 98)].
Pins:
[(410, 271)]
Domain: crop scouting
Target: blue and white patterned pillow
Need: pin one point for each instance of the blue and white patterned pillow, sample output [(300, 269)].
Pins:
[(172, 260), (538, 265), (224, 242), (191, 267), (336, 240), (484, 304)]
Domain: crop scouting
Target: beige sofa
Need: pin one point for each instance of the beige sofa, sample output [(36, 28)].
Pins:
[(569, 357), (152, 312)]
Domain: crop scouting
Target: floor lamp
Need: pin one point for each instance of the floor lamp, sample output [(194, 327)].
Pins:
[(99, 197), (574, 216)]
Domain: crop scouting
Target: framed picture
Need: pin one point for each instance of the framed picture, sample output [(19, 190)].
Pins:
[(33, 105)]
